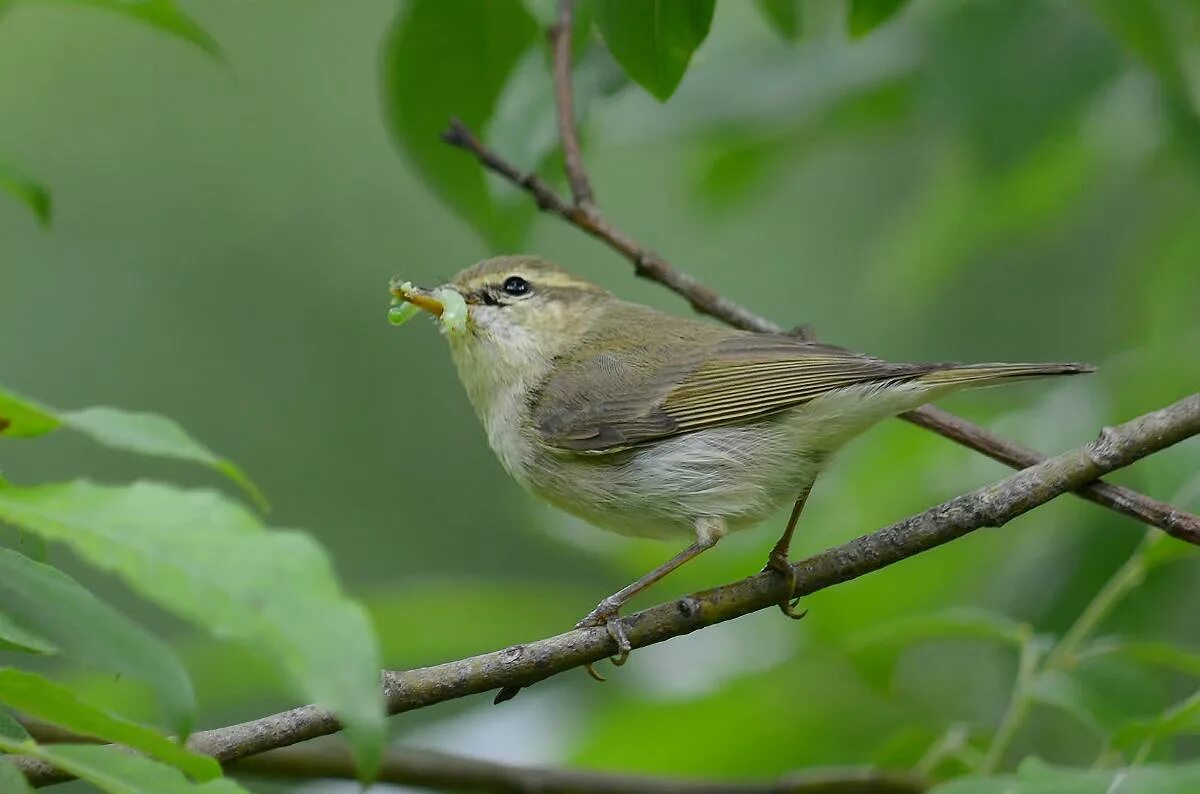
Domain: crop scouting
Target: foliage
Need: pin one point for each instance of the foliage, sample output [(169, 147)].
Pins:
[(196, 553), (452, 59), (164, 15), (892, 167), (116, 771), (55, 615), (38, 697), (25, 190), (654, 41), (1035, 777)]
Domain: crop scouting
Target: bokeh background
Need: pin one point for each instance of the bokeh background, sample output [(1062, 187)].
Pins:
[(976, 180)]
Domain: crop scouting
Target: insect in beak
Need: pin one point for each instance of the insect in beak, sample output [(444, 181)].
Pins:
[(421, 298)]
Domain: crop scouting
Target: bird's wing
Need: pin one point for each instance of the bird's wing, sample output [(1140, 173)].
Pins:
[(621, 397)]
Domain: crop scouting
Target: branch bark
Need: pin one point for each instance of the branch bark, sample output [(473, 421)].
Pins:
[(577, 178), (648, 264), (457, 773), (1175, 522), (522, 665), (421, 767)]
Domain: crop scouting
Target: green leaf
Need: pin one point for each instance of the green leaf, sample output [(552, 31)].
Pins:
[(524, 125), (960, 214), (1055, 688), (53, 605), (866, 15), (1146, 31), (653, 40), (21, 417), (116, 771), (151, 434), (11, 779), (1002, 128), (29, 544), (210, 560), (14, 637), (1103, 696), (840, 718), (10, 728), (27, 191), (1167, 550), (447, 59), (164, 15), (785, 16), (1182, 719), (143, 433), (876, 649), (959, 623), (1037, 777), (54, 703), (1156, 654), (401, 614)]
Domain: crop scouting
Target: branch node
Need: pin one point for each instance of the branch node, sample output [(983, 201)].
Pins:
[(456, 134), (1104, 447), (688, 607), (512, 654)]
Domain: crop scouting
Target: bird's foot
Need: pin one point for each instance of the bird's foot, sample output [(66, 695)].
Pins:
[(605, 614), (779, 564)]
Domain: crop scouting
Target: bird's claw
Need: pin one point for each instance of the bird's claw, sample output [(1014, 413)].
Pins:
[(606, 615), (616, 630), (781, 566)]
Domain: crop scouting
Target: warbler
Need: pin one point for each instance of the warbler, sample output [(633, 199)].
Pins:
[(653, 425)]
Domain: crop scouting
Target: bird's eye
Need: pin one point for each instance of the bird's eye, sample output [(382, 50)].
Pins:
[(515, 285)]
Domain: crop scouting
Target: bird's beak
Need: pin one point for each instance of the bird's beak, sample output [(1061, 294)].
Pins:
[(419, 297)]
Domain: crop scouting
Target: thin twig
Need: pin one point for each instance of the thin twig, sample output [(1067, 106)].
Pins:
[(1018, 706), (1038, 660), (647, 263), (1178, 523), (522, 665), (577, 178), (1175, 522)]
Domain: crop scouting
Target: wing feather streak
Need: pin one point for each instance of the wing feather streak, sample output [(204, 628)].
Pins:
[(695, 376)]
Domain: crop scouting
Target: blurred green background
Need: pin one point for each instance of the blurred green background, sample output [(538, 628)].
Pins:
[(975, 180)]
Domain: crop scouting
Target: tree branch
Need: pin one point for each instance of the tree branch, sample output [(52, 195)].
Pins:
[(577, 178), (1178, 523), (522, 665), (1175, 522), (421, 767), (458, 773)]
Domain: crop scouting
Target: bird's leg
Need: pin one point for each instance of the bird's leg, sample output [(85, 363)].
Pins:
[(778, 559), (708, 531)]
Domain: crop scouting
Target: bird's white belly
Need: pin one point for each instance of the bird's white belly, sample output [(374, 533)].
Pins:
[(741, 473)]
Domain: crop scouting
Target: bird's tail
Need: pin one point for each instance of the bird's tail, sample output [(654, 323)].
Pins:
[(972, 375)]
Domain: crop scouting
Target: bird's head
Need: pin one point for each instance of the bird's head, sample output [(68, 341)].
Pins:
[(507, 318)]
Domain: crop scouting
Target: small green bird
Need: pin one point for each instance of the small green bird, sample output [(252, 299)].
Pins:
[(658, 426)]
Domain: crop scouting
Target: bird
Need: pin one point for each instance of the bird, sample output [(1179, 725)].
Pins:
[(653, 425)]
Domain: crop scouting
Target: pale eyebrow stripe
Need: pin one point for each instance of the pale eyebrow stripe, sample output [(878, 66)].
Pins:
[(546, 279)]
